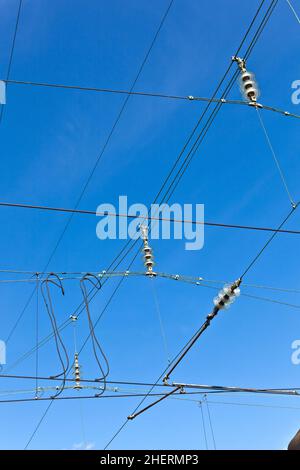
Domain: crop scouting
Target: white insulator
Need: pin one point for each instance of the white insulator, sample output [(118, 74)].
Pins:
[(249, 86), (227, 296), (77, 368), (246, 76), (147, 250)]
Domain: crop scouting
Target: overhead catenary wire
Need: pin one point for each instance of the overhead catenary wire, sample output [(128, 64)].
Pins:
[(294, 11), (196, 143), (97, 349), (103, 149), (189, 98), (37, 319), (162, 396), (192, 152), (207, 322), (64, 325), (12, 50), (264, 247), (160, 319), (122, 109), (187, 279), (250, 48), (143, 217), (203, 425), (210, 421), (276, 160), (254, 41), (177, 160), (294, 391), (59, 344), (47, 338), (216, 309), (40, 421)]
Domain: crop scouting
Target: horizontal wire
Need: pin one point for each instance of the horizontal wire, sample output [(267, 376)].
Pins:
[(143, 217), (262, 405), (55, 379), (85, 397), (219, 388), (198, 280), (256, 297), (152, 95)]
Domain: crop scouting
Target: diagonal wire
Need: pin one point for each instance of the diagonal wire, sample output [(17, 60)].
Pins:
[(276, 160), (12, 50), (203, 425), (103, 150), (210, 422), (250, 48), (123, 107), (268, 241), (161, 323), (37, 335), (39, 424), (293, 10)]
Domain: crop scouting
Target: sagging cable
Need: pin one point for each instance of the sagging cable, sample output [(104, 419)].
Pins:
[(99, 355), (62, 353)]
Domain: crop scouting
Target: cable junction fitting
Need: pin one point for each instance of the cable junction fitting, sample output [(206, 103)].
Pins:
[(147, 251), (77, 368), (248, 84)]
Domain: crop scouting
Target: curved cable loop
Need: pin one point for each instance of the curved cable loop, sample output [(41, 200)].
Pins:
[(60, 347), (96, 283)]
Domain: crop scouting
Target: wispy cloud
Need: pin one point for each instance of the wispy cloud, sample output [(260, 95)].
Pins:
[(83, 446)]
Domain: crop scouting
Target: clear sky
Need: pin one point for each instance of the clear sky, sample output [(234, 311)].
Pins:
[(49, 141)]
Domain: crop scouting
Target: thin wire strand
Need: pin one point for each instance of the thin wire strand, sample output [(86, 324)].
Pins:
[(161, 323), (276, 160), (210, 422), (293, 10), (95, 166), (142, 217), (39, 423), (176, 279), (37, 335), (254, 260), (190, 98), (12, 51), (203, 425)]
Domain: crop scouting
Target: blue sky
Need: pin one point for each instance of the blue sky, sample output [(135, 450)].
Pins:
[(51, 138)]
